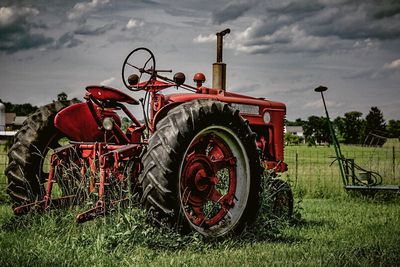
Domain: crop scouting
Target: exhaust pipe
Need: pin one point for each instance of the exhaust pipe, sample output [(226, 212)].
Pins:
[(219, 68)]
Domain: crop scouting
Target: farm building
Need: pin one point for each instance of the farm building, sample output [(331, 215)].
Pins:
[(295, 130), (9, 124)]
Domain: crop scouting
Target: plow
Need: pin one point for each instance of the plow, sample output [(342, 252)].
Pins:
[(354, 177), (195, 162)]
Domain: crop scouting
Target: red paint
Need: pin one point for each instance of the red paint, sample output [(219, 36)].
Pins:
[(78, 124), (103, 155), (107, 93), (199, 181), (277, 111)]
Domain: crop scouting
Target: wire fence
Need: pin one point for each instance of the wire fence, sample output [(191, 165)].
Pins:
[(310, 170)]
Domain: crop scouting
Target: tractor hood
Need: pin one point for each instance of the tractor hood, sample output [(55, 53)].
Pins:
[(246, 104)]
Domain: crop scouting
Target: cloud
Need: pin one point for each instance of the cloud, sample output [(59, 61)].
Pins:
[(12, 15), (286, 39), (391, 69), (133, 23), (205, 39), (67, 40), (394, 65), (312, 26), (107, 81), (387, 9), (319, 104), (87, 30), (230, 12), (16, 30), (83, 8)]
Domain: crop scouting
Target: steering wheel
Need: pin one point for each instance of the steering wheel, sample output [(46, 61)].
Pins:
[(142, 63)]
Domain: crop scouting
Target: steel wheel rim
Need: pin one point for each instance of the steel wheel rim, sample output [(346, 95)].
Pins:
[(214, 182)]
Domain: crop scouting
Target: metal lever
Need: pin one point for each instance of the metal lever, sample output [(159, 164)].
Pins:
[(339, 156)]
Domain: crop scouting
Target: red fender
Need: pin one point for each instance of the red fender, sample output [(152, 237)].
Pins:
[(78, 124)]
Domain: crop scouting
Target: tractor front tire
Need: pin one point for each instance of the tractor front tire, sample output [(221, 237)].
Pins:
[(281, 199), (25, 172), (201, 170)]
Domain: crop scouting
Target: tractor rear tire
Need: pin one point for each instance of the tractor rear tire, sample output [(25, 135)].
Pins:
[(202, 171), (27, 154)]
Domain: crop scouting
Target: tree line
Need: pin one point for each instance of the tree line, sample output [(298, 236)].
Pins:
[(352, 128), (27, 108)]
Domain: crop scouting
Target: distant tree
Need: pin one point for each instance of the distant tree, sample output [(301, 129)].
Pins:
[(292, 139), (125, 123), (338, 125), (19, 109), (393, 128), (353, 127), (316, 130), (297, 122), (62, 96), (374, 121), (375, 128)]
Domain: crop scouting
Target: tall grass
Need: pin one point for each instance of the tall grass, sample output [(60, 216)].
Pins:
[(346, 232), (335, 231)]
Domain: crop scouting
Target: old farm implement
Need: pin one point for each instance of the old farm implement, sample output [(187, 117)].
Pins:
[(195, 163), (354, 177)]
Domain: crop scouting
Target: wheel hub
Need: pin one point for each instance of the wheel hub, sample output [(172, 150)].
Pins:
[(199, 176), (208, 182)]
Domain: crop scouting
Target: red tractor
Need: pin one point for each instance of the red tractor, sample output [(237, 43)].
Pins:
[(195, 163)]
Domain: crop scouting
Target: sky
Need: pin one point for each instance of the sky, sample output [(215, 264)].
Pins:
[(280, 49)]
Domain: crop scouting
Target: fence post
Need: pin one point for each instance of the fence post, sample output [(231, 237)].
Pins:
[(297, 167), (394, 162)]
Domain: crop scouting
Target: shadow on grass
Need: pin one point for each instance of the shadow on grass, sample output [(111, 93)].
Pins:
[(375, 196), (308, 224)]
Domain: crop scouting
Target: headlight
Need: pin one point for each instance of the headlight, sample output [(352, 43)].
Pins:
[(267, 117), (108, 123)]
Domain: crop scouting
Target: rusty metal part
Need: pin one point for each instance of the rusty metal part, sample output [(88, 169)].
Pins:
[(208, 180)]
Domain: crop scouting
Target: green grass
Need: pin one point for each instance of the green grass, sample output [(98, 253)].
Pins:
[(315, 177), (330, 228), (342, 232)]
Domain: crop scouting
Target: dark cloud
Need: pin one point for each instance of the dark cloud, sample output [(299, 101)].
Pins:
[(88, 30), (16, 30), (230, 12), (353, 22), (11, 43), (297, 8), (313, 26), (67, 40), (387, 9)]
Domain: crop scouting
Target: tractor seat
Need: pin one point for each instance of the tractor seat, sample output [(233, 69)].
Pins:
[(103, 93)]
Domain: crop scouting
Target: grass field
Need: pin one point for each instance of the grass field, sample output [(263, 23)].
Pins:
[(312, 174), (330, 228)]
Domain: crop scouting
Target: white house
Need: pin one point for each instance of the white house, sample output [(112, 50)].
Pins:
[(295, 130)]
